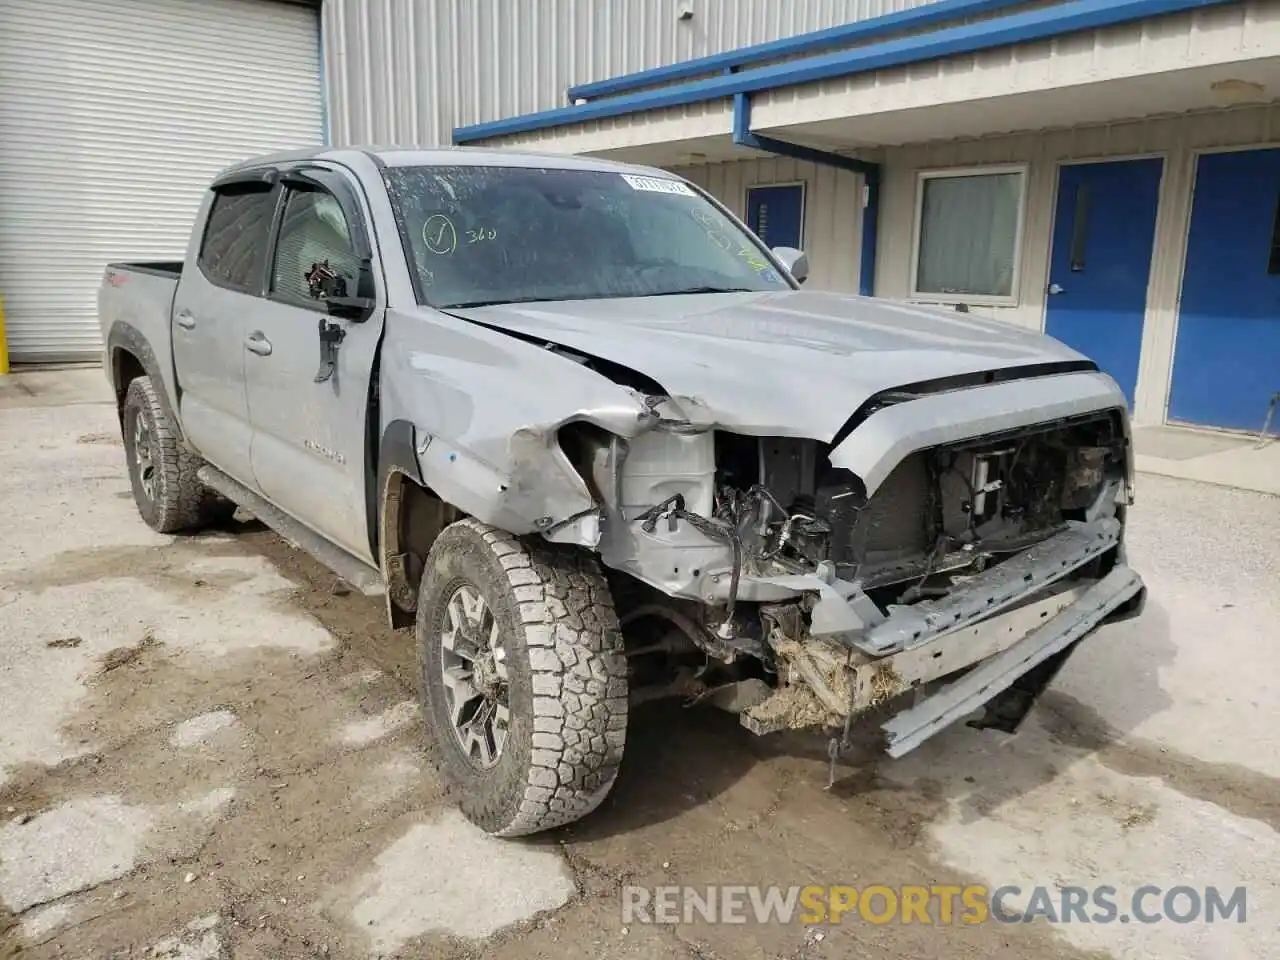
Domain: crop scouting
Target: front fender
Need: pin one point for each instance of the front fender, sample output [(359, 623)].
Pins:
[(486, 409)]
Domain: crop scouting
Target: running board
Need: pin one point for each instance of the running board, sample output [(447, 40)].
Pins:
[(913, 726), (354, 571)]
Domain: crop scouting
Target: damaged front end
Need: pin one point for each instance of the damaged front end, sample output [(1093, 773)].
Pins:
[(960, 533)]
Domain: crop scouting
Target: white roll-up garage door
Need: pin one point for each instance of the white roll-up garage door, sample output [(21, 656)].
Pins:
[(114, 114)]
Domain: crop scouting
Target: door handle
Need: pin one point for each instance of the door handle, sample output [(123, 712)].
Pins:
[(185, 320), (259, 344), (1055, 289)]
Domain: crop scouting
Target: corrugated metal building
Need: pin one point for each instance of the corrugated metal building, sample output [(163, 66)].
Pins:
[(1106, 170)]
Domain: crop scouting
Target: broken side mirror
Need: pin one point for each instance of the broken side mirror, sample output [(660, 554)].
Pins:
[(355, 309), (330, 287), (795, 261)]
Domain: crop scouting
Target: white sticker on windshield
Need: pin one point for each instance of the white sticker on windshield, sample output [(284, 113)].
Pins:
[(658, 185)]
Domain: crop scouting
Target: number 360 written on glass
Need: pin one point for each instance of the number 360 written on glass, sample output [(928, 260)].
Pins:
[(481, 233)]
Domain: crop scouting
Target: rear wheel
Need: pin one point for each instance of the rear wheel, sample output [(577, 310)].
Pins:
[(161, 470), (524, 678)]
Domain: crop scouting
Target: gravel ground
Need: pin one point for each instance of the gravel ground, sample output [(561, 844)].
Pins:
[(209, 749)]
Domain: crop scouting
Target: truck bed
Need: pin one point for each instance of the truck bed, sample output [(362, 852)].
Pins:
[(140, 296), (158, 268)]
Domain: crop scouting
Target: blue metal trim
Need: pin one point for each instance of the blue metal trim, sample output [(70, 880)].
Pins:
[(929, 15), (1034, 25), (870, 172), (743, 137)]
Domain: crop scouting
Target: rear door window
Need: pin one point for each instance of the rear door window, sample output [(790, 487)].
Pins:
[(235, 238)]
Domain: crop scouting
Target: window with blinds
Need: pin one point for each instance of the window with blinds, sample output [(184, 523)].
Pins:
[(968, 233)]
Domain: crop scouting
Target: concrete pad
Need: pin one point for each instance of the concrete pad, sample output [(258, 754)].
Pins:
[(391, 778), (199, 729), (1089, 826), (54, 385), (212, 804), (83, 842), (449, 877), (43, 684), (361, 732), (201, 940), (1222, 459), (58, 495), (1195, 672), (1181, 443), (38, 922)]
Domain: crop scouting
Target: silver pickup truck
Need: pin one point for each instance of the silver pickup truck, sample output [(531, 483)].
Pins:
[(595, 445)]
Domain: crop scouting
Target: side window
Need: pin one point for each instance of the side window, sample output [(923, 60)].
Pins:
[(314, 246), (235, 237)]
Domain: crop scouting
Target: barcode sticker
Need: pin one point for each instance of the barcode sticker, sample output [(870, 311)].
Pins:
[(658, 185)]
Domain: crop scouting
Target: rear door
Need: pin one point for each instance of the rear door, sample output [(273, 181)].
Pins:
[(222, 281), (309, 423)]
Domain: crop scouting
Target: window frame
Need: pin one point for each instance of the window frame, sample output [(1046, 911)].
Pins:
[(320, 179), (262, 263), (917, 234)]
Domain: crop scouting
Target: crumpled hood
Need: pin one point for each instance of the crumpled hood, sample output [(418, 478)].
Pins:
[(795, 363)]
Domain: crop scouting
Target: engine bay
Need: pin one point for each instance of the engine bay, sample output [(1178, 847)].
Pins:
[(956, 506)]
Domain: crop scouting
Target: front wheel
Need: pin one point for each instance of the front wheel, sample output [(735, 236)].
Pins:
[(524, 678)]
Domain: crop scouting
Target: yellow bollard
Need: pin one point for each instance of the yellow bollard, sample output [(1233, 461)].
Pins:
[(4, 343)]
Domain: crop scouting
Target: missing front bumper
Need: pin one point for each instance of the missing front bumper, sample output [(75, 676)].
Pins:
[(991, 632), (908, 729)]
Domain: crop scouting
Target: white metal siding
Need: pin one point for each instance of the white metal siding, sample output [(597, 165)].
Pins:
[(832, 215), (113, 117), (410, 71), (1157, 47), (671, 125), (1177, 139)]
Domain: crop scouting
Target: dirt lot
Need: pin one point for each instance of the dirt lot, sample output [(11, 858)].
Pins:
[(209, 749)]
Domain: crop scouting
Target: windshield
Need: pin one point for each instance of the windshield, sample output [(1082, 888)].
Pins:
[(478, 235)]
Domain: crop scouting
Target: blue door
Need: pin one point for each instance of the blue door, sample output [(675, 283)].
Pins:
[(776, 214), (1226, 364), (1103, 235)]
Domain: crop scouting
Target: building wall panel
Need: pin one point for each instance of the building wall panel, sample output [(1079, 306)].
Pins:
[(1177, 139), (409, 71)]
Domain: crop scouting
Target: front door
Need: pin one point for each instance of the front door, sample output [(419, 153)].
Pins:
[(309, 442), (776, 214), (1226, 364), (1103, 235)]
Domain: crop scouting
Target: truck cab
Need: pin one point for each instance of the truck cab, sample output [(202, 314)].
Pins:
[(593, 443)]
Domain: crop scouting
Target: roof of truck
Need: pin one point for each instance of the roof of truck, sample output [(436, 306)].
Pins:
[(408, 156)]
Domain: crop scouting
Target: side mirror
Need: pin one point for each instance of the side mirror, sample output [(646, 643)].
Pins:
[(355, 309), (331, 288), (795, 261)]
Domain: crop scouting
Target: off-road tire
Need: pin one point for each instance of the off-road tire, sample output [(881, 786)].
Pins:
[(180, 502), (567, 678)]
